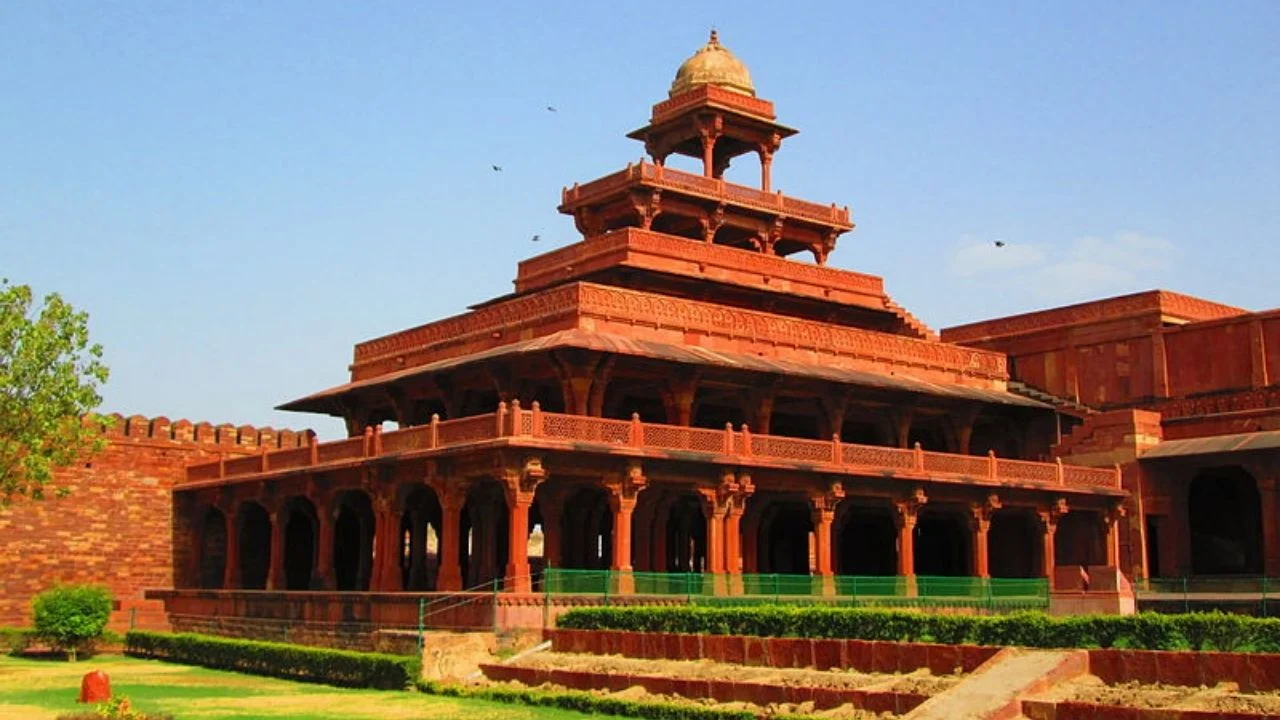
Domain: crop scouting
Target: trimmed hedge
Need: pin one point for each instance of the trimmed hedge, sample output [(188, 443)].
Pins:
[(343, 668), (1145, 631), (583, 702)]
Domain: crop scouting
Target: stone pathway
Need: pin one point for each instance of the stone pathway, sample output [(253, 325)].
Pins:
[(994, 691)]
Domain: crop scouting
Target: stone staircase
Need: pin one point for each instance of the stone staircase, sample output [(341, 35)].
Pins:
[(911, 321), (1066, 405)]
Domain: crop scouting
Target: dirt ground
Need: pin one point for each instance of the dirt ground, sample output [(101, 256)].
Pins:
[(639, 694), (1224, 697), (920, 681)]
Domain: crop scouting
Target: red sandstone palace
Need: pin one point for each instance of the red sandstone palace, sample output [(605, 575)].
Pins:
[(676, 394)]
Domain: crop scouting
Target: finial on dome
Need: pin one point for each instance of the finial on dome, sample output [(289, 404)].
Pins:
[(713, 64)]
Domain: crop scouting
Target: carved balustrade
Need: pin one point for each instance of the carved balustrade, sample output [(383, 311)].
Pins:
[(517, 425)]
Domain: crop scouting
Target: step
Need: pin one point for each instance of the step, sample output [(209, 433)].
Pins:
[(995, 691)]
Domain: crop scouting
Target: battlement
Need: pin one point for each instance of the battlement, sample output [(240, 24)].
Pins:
[(244, 437)]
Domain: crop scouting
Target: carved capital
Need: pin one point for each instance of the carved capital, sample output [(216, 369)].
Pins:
[(1115, 513), (624, 489), (823, 504), (980, 512), (520, 482), (1049, 516), (908, 508)]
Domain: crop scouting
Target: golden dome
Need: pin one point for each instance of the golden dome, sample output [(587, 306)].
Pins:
[(713, 65)]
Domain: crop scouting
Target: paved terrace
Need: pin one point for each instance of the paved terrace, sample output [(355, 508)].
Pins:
[(533, 428)]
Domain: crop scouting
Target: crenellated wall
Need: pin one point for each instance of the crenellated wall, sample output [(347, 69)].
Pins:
[(115, 526)]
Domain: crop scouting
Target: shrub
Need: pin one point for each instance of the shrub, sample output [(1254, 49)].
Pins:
[(1148, 631), (15, 641), (583, 702), (344, 668), (71, 618), (117, 708)]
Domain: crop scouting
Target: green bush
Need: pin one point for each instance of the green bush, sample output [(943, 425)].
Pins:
[(293, 662), (1146, 631), (71, 618), (583, 702), (15, 641)]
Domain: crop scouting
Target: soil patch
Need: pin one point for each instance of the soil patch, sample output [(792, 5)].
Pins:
[(1225, 697), (920, 681)]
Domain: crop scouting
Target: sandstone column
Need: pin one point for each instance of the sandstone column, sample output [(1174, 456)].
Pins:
[(452, 499), (980, 524), (624, 491), (907, 511), (324, 553), (1049, 524), (519, 485)]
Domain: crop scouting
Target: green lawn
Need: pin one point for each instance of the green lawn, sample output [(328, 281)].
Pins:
[(42, 689)]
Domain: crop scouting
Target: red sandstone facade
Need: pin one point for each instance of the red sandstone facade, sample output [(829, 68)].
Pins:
[(673, 393), (669, 394)]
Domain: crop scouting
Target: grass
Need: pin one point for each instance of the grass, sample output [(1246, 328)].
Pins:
[(43, 689)]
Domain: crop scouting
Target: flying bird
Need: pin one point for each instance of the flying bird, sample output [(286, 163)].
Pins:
[(497, 168), (999, 243), (551, 109), (535, 238)]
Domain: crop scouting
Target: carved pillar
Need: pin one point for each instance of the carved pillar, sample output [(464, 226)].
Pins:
[(520, 484), (323, 579), (1111, 518), (709, 137), (766, 162), (711, 223), (900, 424), (733, 524), (275, 572), (387, 555), (579, 375), (907, 511), (624, 491), (678, 396), (1270, 532), (823, 507), (962, 422), (980, 524), (714, 509), (1049, 525), (452, 500), (759, 406), (231, 570)]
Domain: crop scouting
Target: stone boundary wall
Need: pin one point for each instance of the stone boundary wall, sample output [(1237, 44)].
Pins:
[(763, 694), (115, 526), (821, 654)]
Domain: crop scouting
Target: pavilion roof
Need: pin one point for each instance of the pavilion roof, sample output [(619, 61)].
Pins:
[(683, 354)]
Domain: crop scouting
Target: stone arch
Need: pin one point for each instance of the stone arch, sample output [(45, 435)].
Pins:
[(301, 543), (420, 518), (621, 398), (255, 545), (942, 542), (484, 532), (1224, 510), (866, 540), (785, 535), (1080, 539), (1013, 544), (353, 541), (586, 530), (213, 549), (677, 224)]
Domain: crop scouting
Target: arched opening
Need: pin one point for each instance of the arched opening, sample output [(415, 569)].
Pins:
[(1013, 544), (485, 532), (353, 541), (255, 546), (301, 529), (419, 558), (713, 407), (213, 549), (685, 530), (586, 530), (786, 527), (942, 543), (930, 435), (679, 225), (622, 398), (739, 237), (867, 541), (1080, 539), (424, 409), (1225, 517)]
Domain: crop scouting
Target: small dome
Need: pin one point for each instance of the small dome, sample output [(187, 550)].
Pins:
[(713, 65)]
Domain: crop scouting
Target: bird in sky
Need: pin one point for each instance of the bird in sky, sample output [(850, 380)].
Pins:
[(536, 238), (999, 243), (551, 109), (497, 168)]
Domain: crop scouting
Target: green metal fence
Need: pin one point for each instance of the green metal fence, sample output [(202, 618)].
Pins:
[(1237, 593), (994, 594)]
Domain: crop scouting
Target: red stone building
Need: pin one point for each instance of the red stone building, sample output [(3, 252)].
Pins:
[(692, 389), (673, 393)]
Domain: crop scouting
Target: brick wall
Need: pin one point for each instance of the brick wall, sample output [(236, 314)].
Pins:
[(115, 528)]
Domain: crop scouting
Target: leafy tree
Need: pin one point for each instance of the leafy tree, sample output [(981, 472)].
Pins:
[(49, 378), (71, 618)]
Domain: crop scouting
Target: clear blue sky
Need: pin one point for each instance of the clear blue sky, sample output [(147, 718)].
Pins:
[(239, 191)]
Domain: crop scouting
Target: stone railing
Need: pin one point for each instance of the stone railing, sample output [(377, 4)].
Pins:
[(647, 173), (712, 94), (568, 260), (515, 425)]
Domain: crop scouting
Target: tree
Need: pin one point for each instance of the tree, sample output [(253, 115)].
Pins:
[(49, 378)]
